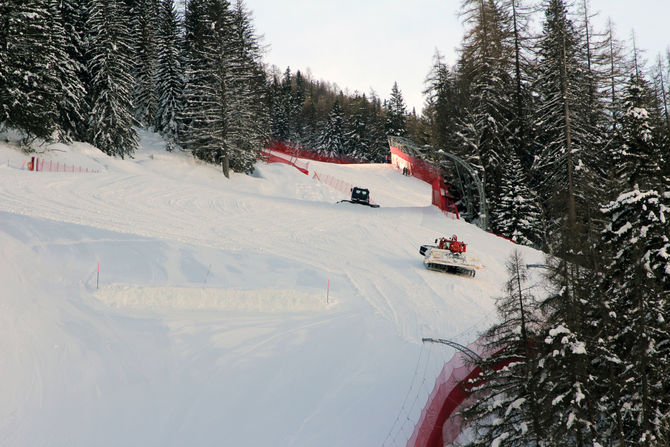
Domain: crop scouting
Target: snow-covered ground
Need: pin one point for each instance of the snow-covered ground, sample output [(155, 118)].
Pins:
[(254, 311)]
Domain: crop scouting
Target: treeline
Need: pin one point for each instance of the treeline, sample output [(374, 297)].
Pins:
[(95, 70), (318, 115), (571, 134), (547, 116)]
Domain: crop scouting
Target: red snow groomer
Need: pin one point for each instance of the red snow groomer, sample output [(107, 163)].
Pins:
[(449, 256)]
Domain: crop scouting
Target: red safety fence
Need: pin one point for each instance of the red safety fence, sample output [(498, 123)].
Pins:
[(438, 425), (309, 154), (428, 173), (37, 165), (270, 156)]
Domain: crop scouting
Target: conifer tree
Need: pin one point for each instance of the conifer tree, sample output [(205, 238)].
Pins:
[(485, 71), (226, 120), (31, 87), (636, 285), (248, 126), (563, 168), (332, 138), (208, 77), (507, 409), (396, 112), (441, 110), (169, 84), (4, 35), (145, 37), (68, 18), (111, 120), (518, 212), (568, 390)]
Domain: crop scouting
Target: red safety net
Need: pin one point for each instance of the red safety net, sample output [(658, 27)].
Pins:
[(309, 154), (278, 157), (437, 426), (428, 173)]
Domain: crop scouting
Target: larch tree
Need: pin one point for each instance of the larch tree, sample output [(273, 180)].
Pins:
[(485, 72), (563, 168), (506, 409)]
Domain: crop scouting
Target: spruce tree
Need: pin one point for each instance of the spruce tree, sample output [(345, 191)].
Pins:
[(224, 113), (636, 285), (66, 52), (111, 120), (169, 84), (396, 112), (248, 127), (145, 14), (332, 138), (31, 87), (518, 211)]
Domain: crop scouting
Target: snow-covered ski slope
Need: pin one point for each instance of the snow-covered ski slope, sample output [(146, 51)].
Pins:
[(213, 324)]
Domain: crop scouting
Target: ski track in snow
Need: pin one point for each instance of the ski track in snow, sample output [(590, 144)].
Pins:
[(211, 316)]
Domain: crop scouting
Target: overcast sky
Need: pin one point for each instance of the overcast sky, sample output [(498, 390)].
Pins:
[(364, 45)]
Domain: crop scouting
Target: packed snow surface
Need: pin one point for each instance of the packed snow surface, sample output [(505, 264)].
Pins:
[(250, 311)]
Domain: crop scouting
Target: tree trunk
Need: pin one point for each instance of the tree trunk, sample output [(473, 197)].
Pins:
[(225, 165)]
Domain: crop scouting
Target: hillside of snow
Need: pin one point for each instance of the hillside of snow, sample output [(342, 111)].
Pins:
[(250, 311)]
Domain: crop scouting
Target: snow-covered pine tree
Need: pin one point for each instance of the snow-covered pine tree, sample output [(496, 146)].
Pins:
[(485, 72), (170, 82), (441, 109), (111, 120), (145, 14), (519, 215), (332, 138), (396, 113), (638, 155), (356, 136), (66, 52), (224, 109), (31, 88), (283, 107), (506, 410), (4, 32), (567, 389), (519, 14), (205, 112), (248, 126), (563, 168), (297, 104), (636, 288)]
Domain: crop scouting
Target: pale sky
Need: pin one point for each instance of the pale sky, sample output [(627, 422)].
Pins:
[(364, 45)]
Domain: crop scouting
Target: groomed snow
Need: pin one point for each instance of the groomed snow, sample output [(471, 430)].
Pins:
[(212, 323)]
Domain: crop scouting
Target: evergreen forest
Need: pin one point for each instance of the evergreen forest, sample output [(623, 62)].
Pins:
[(567, 125)]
